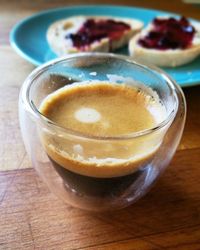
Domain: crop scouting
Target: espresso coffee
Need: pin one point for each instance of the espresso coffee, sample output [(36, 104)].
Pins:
[(91, 112)]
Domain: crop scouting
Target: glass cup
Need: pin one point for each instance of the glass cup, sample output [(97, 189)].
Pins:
[(58, 153)]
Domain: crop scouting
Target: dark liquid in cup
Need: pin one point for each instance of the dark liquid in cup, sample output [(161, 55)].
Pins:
[(102, 168), (100, 187)]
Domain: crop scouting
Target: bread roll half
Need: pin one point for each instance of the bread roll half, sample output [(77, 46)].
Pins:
[(57, 35), (168, 57)]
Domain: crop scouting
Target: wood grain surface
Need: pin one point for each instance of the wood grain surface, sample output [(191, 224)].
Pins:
[(33, 218)]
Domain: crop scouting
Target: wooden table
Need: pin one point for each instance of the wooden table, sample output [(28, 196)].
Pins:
[(33, 218)]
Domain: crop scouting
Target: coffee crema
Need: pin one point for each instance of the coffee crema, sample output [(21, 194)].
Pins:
[(102, 109)]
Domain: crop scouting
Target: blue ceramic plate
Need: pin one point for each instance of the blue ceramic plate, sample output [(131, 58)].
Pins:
[(28, 37)]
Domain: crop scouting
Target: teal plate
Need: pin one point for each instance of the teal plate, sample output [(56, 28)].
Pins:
[(28, 37)]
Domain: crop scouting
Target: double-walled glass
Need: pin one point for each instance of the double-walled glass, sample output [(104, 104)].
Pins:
[(99, 184)]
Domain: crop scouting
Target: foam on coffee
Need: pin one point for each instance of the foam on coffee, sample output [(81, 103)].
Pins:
[(87, 115), (103, 109)]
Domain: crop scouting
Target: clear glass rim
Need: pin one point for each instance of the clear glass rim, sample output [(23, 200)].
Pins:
[(29, 105)]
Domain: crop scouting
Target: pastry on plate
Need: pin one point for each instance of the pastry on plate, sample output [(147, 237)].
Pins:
[(167, 42), (91, 33)]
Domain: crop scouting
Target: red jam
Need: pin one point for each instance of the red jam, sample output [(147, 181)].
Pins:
[(94, 30), (169, 34)]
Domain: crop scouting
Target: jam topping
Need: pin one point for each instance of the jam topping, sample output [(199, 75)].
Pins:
[(95, 30), (169, 34)]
